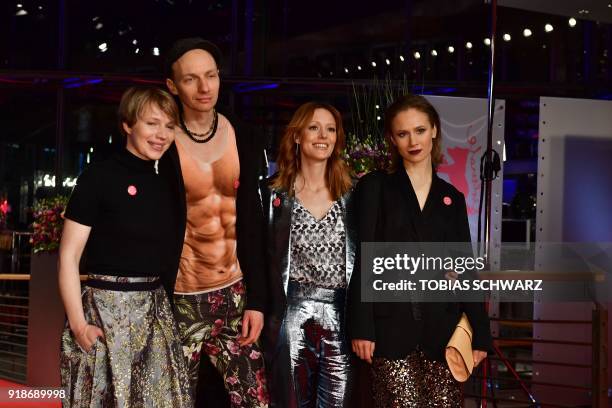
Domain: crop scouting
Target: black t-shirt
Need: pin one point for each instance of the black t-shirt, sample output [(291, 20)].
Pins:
[(133, 216)]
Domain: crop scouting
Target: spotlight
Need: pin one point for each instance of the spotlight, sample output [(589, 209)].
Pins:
[(22, 12), (572, 22), (402, 58), (507, 37), (134, 41), (451, 49), (137, 50), (387, 61), (374, 64), (527, 32), (346, 70), (103, 47), (434, 53), (377, 106), (468, 45), (548, 28), (487, 41), (358, 67), (417, 55), (378, 118), (99, 26), (156, 51), (19, 5)]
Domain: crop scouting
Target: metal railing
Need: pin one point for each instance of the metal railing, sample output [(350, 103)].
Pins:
[(14, 327), (599, 376)]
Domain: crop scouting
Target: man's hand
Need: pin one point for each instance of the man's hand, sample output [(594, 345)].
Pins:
[(364, 349), (252, 323)]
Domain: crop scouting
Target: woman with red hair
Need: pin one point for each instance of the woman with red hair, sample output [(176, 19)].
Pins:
[(310, 259)]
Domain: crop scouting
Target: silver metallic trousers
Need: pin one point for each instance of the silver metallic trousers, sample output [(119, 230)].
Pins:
[(313, 333)]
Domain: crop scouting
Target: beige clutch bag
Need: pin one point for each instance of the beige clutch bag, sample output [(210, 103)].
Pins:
[(459, 351)]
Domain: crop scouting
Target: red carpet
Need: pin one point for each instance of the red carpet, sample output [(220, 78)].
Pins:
[(4, 385)]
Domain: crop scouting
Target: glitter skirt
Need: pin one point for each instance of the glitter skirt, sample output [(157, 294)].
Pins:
[(139, 363), (414, 382)]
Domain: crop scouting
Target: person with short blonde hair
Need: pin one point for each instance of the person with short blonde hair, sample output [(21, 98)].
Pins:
[(135, 100), (120, 346)]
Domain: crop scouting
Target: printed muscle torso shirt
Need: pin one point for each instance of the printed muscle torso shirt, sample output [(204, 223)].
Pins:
[(211, 172)]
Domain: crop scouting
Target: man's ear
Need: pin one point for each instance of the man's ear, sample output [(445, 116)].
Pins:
[(171, 86)]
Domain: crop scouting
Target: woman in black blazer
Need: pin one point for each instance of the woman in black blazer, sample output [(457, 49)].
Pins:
[(405, 342)]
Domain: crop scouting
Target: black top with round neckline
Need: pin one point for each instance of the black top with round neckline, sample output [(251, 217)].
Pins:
[(133, 213)]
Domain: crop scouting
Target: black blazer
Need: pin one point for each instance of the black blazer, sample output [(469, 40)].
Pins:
[(249, 215), (388, 211)]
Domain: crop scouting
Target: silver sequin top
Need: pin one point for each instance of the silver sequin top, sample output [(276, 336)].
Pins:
[(318, 247)]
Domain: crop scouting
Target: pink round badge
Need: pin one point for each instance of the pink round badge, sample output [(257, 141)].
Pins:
[(132, 190), (236, 184), (447, 200)]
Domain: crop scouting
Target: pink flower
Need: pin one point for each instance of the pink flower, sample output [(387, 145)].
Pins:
[(262, 395), (252, 392), (216, 300), (238, 288), (236, 398), (260, 376), (231, 380), (234, 347), (211, 349), (254, 355), (276, 202), (216, 328)]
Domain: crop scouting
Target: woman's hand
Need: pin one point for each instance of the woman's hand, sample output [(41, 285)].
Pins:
[(87, 335), (478, 356), (364, 349)]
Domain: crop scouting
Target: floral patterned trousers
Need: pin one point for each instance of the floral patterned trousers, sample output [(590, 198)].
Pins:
[(211, 323)]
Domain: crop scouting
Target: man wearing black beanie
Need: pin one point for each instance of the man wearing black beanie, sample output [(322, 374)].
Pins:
[(220, 287)]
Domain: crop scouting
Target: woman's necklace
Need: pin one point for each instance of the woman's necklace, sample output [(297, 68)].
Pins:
[(207, 136)]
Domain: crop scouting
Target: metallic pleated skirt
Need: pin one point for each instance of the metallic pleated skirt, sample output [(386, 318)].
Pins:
[(139, 363)]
